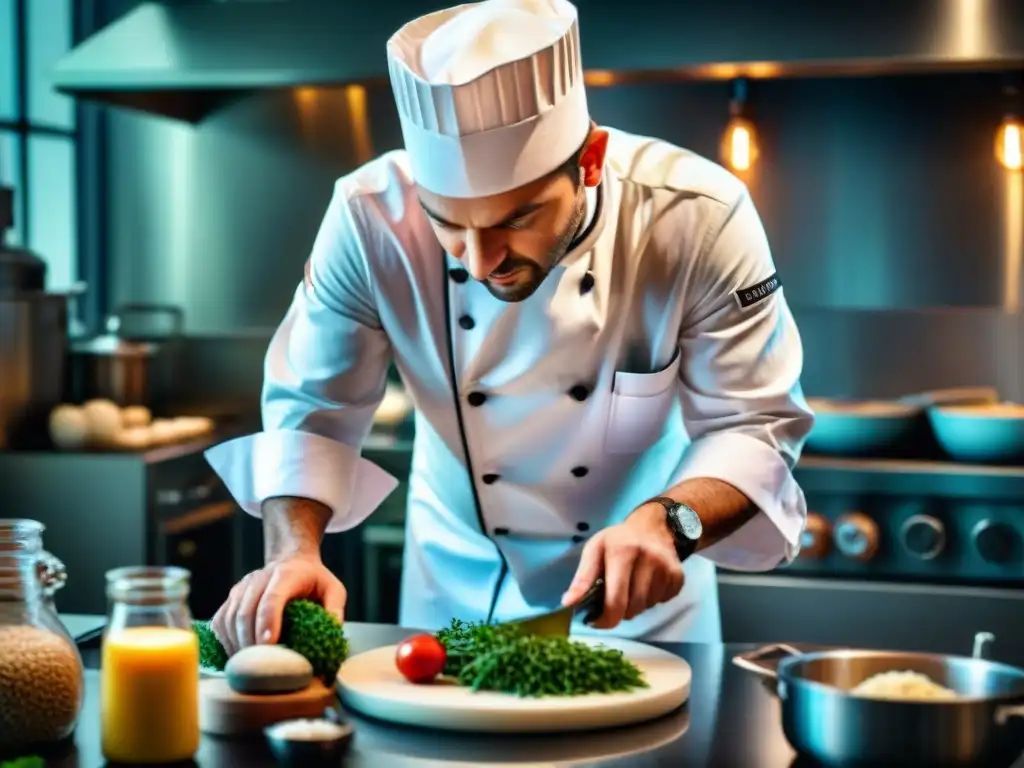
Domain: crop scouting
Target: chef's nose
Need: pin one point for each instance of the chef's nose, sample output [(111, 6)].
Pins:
[(480, 256)]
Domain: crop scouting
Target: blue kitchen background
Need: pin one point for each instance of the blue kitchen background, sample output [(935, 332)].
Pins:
[(184, 166)]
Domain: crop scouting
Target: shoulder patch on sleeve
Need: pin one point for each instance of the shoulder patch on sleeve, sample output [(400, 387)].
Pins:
[(748, 297)]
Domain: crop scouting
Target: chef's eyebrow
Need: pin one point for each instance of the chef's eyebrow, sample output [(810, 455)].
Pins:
[(440, 220), (518, 213)]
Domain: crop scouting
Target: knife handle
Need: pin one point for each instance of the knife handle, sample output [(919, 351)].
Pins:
[(592, 602)]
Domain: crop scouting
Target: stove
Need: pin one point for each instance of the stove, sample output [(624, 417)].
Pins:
[(898, 554), (916, 521)]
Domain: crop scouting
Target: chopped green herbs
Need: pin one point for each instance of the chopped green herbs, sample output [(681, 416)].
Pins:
[(487, 657), (31, 761)]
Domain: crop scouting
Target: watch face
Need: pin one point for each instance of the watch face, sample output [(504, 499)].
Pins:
[(689, 522)]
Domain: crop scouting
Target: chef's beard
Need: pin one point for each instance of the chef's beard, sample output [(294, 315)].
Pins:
[(534, 272)]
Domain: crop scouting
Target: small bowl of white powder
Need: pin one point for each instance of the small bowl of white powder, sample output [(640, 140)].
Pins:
[(309, 742)]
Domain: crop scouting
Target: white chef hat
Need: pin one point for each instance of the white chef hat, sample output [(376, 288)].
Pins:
[(490, 95)]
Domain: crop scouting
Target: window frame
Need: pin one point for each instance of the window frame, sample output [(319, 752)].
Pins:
[(88, 17)]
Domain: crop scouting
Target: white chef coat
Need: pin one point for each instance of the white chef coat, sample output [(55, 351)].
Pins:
[(660, 348)]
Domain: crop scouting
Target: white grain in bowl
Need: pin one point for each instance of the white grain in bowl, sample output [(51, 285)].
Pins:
[(903, 685)]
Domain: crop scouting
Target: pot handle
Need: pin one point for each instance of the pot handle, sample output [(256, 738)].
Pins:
[(982, 643), (1003, 714), (753, 660)]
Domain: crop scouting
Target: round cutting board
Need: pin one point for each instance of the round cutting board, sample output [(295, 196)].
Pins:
[(224, 712), (371, 684)]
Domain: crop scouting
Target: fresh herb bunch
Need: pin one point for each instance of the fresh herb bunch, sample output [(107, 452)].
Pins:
[(306, 627), (487, 657)]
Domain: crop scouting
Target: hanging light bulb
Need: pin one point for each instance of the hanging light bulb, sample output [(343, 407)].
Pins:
[(739, 149), (1009, 144)]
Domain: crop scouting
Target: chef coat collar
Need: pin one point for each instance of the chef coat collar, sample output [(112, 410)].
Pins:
[(590, 195)]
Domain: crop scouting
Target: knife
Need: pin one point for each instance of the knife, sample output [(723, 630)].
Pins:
[(558, 623)]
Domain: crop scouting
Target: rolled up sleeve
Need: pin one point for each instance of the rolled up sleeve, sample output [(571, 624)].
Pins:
[(324, 376), (740, 388)]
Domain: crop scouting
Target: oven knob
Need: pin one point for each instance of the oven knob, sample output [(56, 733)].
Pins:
[(856, 536), (816, 540), (923, 536), (997, 543)]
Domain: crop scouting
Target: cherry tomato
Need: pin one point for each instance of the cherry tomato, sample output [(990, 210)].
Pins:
[(420, 658)]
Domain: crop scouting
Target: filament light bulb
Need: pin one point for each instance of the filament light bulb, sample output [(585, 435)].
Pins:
[(739, 144), (1010, 144)]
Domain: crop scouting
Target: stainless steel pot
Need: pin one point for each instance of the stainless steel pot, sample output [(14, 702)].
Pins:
[(33, 344), (33, 331), (126, 369), (822, 719)]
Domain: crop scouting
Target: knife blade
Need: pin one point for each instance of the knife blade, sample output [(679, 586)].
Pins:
[(558, 623)]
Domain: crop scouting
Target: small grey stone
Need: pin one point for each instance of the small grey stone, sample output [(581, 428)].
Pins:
[(268, 669)]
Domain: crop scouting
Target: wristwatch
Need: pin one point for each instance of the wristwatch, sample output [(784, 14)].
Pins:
[(684, 523)]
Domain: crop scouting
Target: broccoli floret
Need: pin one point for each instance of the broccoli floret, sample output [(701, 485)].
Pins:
[(211, 653), (307, 628), (310, 630)]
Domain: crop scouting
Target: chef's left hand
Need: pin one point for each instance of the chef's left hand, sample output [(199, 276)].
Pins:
[(638, 561)]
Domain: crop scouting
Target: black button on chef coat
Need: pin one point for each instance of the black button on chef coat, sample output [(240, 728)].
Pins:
[(467, 323), (582, 527), (586, 284), (476, 399), (458, 274), (579, 471), (579, 392), (490, 478), (578, 539), (501, 531)]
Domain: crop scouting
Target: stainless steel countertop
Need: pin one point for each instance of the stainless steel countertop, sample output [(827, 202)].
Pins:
[(731, 720)]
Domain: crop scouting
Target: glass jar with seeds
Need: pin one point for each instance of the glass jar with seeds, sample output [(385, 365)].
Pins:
[(41, 678)]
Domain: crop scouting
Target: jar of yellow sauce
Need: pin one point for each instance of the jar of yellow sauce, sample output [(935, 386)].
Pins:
[(149, 689)]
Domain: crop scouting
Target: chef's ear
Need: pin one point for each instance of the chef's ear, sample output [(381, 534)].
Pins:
[(592, 159)]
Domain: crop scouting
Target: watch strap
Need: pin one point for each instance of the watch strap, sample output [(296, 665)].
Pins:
[(666, 502)]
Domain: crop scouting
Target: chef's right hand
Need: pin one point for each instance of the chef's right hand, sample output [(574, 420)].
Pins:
[(255, 605)]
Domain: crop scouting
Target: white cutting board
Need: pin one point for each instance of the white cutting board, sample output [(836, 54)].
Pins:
[(370, 683)]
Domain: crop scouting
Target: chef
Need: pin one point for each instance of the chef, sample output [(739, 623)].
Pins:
[(604, 368)]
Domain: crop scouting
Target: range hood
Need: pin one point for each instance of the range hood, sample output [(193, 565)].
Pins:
[(185, 59)]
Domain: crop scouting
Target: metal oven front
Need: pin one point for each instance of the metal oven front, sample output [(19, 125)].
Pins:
[(909, 555)]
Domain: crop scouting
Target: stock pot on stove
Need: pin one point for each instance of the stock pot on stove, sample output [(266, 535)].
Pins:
[(982, 727), (33, 343), (129, 366)]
